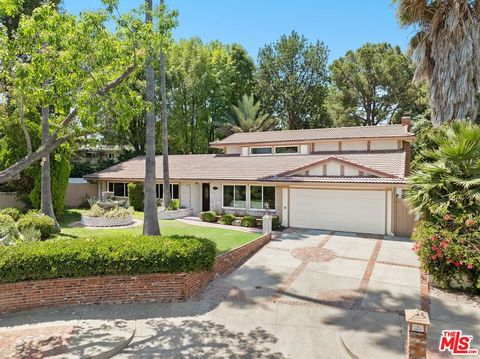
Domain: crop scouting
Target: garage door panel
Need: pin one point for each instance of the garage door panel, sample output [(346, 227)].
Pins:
[(345, 210)]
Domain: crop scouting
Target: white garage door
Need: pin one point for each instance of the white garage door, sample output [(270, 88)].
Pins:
[(346, 210)]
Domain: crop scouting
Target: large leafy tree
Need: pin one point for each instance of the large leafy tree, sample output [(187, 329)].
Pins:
[(372, 85), (247, 116), (292, 81), (446, 51), (448, 179)]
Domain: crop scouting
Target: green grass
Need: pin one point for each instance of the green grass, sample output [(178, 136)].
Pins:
[(225, 239)]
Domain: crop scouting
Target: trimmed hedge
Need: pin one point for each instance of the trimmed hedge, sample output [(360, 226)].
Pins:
[(12, 212), (227, 219), (127, 255), (209, 216), (37, 221), (248, 221), (136, 196)]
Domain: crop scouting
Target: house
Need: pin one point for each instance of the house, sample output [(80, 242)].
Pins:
[(345, 179), (97, 153)]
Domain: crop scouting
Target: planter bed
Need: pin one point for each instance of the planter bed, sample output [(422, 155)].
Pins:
[(179, 213), (106, 222)]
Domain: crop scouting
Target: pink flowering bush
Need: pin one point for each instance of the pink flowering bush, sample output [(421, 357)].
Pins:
[(449, 248)]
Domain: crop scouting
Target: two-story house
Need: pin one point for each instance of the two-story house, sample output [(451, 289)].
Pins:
[(345, 179)]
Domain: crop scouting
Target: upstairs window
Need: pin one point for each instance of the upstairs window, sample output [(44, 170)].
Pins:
[(260, 150), (286, 150)]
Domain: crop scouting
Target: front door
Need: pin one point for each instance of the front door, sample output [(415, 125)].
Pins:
[(205, 197)]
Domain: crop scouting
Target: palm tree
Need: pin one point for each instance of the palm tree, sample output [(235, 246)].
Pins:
[(448, 181), (166, 174), (247, 117), (446, 51), (151, 226)]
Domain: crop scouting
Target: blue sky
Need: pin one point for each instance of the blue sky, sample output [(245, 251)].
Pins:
[(341, 25)]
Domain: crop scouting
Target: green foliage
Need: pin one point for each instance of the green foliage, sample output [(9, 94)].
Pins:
[(117, 212), (12, 212), (448, 249), (30, 234), (448, 180), (174, 205), (6, 219), (373, 85), (9, 234), (275, 223), (209, 216), (247, 117), (115, 255), (227, 219), (59, 173), (248, 221), (39, 222), (292, 81), (136, 196)]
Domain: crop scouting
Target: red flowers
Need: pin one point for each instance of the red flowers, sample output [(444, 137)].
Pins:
[(447, 217), (434, 238), (470, 266), (470, 222)]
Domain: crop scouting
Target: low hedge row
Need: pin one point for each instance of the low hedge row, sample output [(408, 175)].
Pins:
[(129, 255)]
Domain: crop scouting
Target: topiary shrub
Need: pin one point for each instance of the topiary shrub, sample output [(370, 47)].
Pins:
[(174, 205), (5, 219), (248, 221), (227, 219), (209, 216), (37, 221), (115, 255), (12, 212), (136, 196), (448, 250)]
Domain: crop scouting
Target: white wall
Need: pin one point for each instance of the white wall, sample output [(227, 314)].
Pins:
[(76, 193), (354, 145), (333, 169), (304, 149), (196, 197), (316, 171), (326, 146), (350, 171), (230, 150), (383, 145)]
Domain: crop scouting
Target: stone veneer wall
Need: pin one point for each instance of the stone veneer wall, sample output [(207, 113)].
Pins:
[(216, 200), (143, 288), (185, 195)]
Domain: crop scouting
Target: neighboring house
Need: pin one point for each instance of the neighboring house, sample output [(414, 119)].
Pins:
[(345, 179), (94, 154)]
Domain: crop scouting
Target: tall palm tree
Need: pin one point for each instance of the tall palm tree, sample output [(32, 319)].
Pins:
[(151, 225), (166, 174), (247, 117), (446, 52)]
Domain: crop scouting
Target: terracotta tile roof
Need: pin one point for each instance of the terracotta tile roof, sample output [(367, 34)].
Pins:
[(334, 133), (250, 168), (317, 179)]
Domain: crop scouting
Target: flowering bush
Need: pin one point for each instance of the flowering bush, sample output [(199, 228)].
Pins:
[(449, 249)]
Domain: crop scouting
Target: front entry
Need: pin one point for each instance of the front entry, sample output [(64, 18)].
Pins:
[(205, 197)]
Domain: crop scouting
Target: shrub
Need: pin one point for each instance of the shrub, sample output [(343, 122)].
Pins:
[(116, 255), (248, 221), (8, 234), (5, 219), (275, 223), (30, 235), (37, 221), (227, 219), (174, 205), (448, 249), (12, 212), (136, 196), (209, 216), (117, 212)]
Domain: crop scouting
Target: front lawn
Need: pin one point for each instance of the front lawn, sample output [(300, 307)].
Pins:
[(225, 239)]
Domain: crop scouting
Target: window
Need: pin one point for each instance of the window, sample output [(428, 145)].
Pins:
[(111, 156), (235, 196), (286, 149), (260, 196), (260, 150), (119, 189), (174, 191)]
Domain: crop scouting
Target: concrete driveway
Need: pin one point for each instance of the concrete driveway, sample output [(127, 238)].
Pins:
[(306, 294)]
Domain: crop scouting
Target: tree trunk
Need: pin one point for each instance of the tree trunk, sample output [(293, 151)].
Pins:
[(166, 173), (151, 225), (46, 205)]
